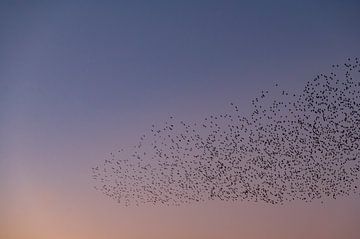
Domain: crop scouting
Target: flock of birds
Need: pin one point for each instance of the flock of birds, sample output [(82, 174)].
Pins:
[(303, 146)]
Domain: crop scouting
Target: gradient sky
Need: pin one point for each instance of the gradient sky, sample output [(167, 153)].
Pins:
[(79, 79)]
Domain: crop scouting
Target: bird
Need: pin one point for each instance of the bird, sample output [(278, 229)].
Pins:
[(292, 146)]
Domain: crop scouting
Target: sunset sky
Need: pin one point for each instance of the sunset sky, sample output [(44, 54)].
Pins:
[(80, 79)]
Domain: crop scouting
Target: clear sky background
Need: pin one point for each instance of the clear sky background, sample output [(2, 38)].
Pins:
[(80, 79)]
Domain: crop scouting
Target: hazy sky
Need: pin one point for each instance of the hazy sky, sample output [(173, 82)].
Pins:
[(79, 79)]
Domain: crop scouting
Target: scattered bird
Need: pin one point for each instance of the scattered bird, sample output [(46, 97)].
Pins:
[(303, 146)]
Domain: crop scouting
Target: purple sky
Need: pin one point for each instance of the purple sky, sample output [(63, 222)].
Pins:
[(79, 79)]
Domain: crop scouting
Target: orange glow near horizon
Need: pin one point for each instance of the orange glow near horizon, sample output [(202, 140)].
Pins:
[(40, 212)]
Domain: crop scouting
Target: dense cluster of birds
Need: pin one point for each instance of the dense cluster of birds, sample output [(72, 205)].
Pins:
[(292, 146)]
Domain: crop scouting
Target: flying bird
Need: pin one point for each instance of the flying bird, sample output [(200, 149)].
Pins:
[(292, 146)]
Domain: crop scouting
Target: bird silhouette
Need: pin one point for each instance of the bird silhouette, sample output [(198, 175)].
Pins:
[(292, 146)]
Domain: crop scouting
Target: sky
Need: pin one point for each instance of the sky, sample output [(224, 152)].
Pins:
[(80, 79)]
